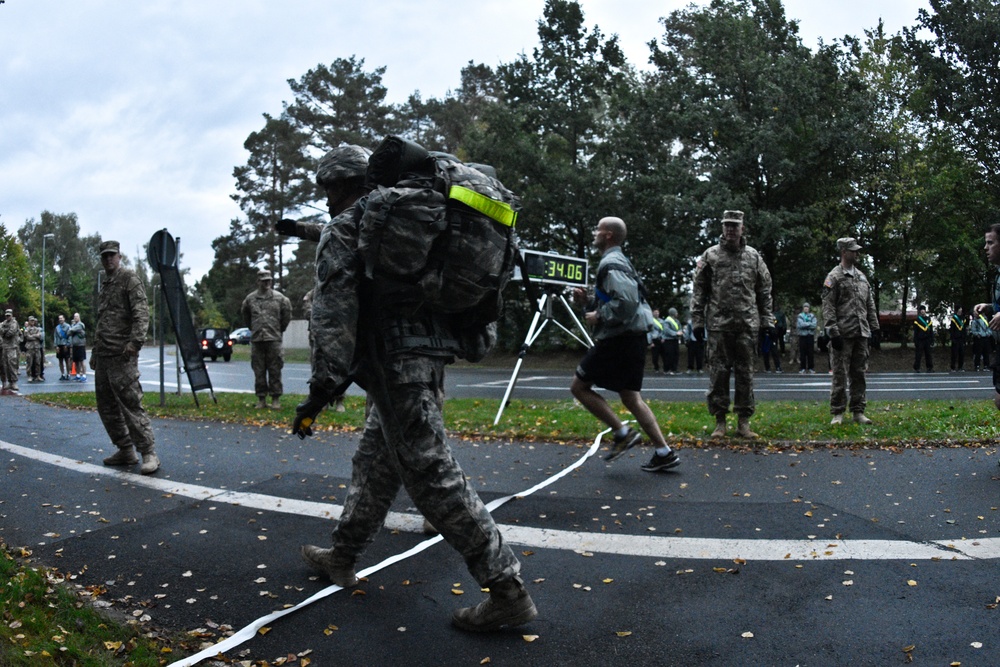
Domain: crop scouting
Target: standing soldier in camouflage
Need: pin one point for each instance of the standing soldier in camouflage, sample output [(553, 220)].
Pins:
[(122, 321), (850, 317), (267, 312), (10, 341), (33, 350), (401, 362), (732, 298)]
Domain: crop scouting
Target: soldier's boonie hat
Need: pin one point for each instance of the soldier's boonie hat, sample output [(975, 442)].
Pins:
[(110, 246), (341, 163), (847, 243), (32, 318), (264, 274), (732, 217)]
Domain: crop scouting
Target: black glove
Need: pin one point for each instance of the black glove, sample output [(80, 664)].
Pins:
[(699, 334), (285, 227), (837, 342), (306, 413)]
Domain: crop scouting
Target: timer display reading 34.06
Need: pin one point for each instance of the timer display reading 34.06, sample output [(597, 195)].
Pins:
[(555, 269)]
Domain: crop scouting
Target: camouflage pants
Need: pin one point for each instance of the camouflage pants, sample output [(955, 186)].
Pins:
[(35, 360), (730, 352), (849, 364), (9, 360), (267, 360), (119, 402), (404, 445)]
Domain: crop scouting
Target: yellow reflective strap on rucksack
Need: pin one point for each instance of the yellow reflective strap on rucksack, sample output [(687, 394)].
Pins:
[(493, 209)]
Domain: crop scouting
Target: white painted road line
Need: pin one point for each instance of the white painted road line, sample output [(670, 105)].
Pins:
[(628, 545)]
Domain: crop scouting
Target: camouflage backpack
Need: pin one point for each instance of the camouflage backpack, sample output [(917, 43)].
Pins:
[(437, 233)]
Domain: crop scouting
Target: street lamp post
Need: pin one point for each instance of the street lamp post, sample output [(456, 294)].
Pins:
[(44, 238)]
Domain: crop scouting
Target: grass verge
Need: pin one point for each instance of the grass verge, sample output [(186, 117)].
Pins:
[(780, 424), (46, 621)]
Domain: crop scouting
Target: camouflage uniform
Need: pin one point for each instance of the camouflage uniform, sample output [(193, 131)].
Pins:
[(122, 320), (267, 315), (732, 300), (401, 364), (10, 340), (33, 350), (849, 313)]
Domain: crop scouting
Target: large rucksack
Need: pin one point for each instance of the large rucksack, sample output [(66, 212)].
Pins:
[(437, 234)]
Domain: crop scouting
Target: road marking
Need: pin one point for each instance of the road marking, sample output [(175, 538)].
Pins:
[(653, 546)]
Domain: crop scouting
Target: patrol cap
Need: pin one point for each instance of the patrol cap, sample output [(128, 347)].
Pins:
[(264, 274), (32, 318), (8, 312), (342, 163), (847, 243), (672, 312), (805, 305), (732, 217), (110, 246)]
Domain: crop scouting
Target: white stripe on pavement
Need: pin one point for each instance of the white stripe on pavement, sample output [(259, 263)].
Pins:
[(652, 546)]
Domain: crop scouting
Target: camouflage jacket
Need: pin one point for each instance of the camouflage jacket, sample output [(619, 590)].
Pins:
[(732, 290), (848, 304), (122, 314), (10, 333), (333, 322), (33, 338), (267, 315)]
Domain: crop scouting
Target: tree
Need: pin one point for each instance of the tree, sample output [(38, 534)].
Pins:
[(275, 183), (961, 76), (341, 103), (767, 126), (15, 273), (548, 124), (71, 264)]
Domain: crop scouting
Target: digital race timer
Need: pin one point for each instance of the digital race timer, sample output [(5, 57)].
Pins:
[(551, 269)]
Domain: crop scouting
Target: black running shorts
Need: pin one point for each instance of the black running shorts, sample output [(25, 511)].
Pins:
[(615, 363)]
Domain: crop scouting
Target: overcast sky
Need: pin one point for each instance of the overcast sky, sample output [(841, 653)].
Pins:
[(133, 114)]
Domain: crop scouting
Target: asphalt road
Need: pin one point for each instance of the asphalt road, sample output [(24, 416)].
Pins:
[(464, 381), (739, 557)]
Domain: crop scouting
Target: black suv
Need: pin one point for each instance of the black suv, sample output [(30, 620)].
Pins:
[(215, 343)]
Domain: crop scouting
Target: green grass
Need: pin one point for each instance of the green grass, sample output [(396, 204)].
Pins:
[(912, 423), (45, 622)]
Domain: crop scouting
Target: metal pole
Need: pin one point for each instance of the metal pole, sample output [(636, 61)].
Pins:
[(177, 343), (44, 237)]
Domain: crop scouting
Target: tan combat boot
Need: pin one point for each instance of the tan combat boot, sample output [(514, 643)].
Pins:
[(860, 418), (720, 427), (339, 570), (743, 429), (429, 528), (507, 606), (150, 463), (275, 403), (125, 456), (260, 403)]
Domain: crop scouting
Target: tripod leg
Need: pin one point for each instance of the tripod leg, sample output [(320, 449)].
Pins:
[(528, 340)]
